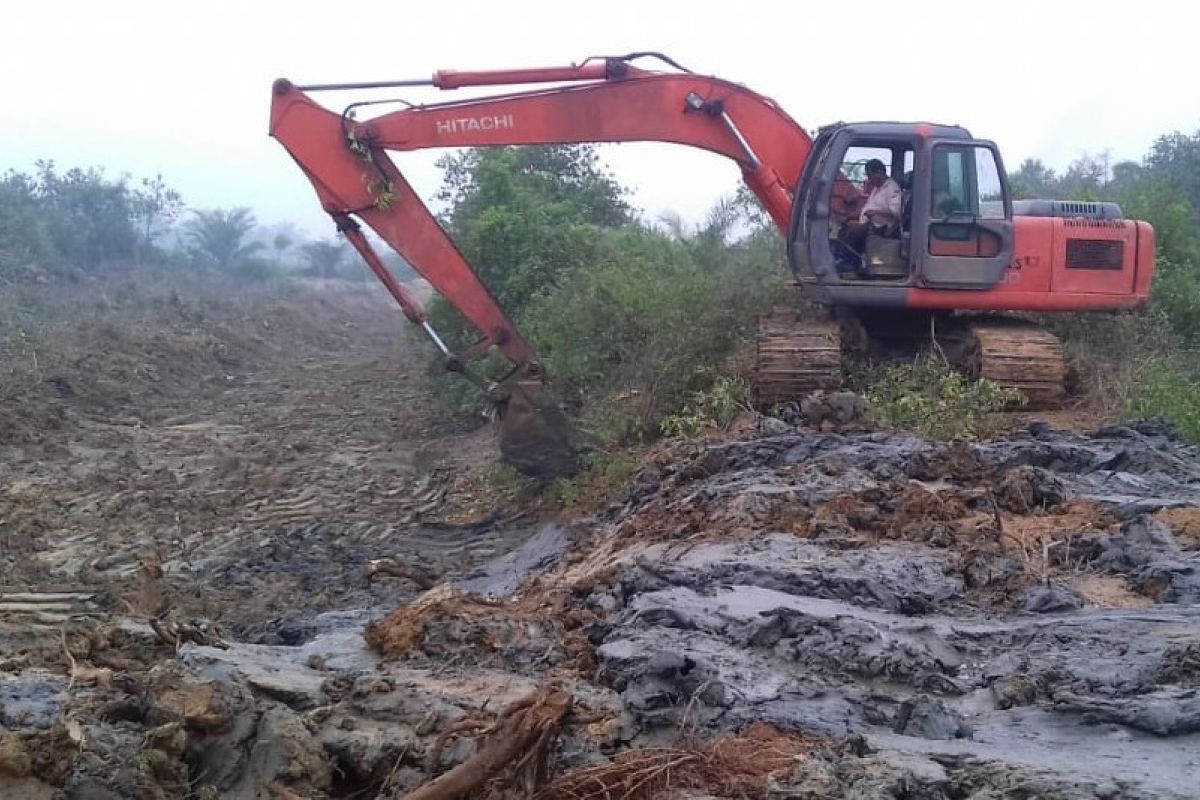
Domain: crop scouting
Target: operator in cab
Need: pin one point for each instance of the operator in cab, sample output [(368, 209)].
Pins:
[(880, 214)]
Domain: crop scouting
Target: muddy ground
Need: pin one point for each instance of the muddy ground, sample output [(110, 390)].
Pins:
[(186, 608)]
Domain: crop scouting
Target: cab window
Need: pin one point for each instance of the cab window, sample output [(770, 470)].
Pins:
[(854, 163), (966, 180), (950, 193)]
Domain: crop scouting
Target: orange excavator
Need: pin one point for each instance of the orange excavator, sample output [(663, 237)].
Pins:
[(958, 256)]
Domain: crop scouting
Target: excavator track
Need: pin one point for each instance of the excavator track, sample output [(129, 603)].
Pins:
[(1018, 355), (795, 357)]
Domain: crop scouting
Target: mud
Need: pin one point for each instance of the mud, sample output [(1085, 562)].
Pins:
[(228, 594)]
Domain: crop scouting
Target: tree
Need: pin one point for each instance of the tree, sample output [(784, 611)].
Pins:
[(1086, 178), (324, 257), (281, 243), (219, 236), (483, 178), (25, 243), (1175, 157), (524, 217), (88, 217), (709, 241), (155, 207), (1033, 180)]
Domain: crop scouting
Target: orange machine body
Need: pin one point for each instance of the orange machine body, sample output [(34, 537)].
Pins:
[(1041, 277)]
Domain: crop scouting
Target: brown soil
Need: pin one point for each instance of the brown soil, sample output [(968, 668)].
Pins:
[(1108, 591), (244, 435), (1184, 523)]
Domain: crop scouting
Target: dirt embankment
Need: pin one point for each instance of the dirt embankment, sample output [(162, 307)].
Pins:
[(243, 588), (260, 447)]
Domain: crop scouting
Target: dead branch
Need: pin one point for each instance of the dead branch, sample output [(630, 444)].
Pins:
[(519, 731), (473, 726), (387, 566)]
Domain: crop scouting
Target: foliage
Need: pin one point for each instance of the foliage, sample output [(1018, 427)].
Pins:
[(713, 408), (930, 398), (1103, 351), (324, 257), (50, 220), (1032, 180), (281, 243), (1168, 388), (154, 207), (605, 478), (523, 217), (570, 175), (642, 328), (220, 237), (25, 242), (1175, 158), (628, 318)]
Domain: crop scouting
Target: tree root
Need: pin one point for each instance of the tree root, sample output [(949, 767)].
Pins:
[(514, 746), (736, 765)]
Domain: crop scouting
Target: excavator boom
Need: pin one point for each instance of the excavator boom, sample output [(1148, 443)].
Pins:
[(600, 100)]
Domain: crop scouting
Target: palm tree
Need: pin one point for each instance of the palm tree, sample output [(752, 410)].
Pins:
[(281, 243), (324, 257), (220, 235)]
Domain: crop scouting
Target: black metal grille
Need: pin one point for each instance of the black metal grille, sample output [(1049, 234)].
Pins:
[(1095, 254)]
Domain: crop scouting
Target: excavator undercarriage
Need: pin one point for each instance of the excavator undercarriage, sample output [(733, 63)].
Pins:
[(803, 347)]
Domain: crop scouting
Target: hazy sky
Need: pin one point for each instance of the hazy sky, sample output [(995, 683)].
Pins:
[(184, 88)]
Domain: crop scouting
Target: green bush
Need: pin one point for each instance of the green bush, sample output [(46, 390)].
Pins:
[(713, 408), (605, 478), (1177, 296), (643, 327), (930, 398), (1169, 389)]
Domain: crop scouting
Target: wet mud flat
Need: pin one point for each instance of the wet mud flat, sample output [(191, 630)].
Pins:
[(803, 615)]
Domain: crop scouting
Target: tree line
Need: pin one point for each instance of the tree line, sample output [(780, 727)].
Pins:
[(56, 223), (632, 316)]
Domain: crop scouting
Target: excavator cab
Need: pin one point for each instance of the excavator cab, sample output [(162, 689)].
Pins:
[(955, 229)]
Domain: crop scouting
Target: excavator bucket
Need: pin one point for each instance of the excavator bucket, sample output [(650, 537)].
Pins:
[(535, 435)]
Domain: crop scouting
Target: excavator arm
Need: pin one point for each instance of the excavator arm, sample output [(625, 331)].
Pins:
[(600, 100)]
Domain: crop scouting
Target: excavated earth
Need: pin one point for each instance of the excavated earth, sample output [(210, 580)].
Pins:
[(800, 614)]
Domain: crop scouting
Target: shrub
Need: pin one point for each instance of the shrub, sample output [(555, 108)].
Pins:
[(713, 408), (641, 329), (930, 398), (1167, 388), (1177, 297), (605, 479)]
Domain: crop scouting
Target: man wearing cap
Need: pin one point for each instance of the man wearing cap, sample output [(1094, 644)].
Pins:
[(880, 212)]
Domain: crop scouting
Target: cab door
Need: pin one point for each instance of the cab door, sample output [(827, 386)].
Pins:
[(821, 185), (962, 212), (810, 209)]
